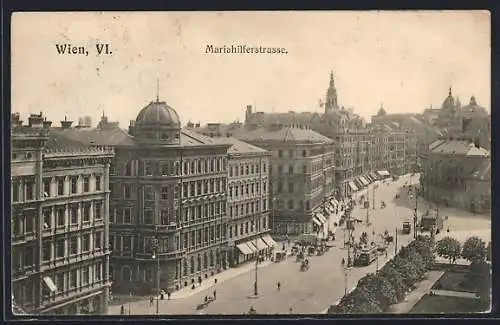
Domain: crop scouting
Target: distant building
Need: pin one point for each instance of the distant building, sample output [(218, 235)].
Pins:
[(248, 201), (60, 200), (302, 176), (448, 167), (478, 188)]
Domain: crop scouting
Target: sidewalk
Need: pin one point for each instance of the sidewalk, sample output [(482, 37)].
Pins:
[(457, 294), (416, 295), (185, 292)]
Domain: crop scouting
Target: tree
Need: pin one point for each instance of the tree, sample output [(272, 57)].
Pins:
[(474, 250), (392, 274), (449, 248)]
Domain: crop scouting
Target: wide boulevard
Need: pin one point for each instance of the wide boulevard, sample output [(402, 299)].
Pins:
[(313, 291)]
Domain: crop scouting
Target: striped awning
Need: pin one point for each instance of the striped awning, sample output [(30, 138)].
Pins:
[(261, 245), (316, 221), (244, 249), (364, 181), (334, 202), (269, 241), (353, 186), (321, 217)]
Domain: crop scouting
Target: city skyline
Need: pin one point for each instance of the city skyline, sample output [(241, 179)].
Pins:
[(170, 47)]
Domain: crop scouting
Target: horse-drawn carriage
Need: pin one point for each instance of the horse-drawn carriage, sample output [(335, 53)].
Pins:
[(300, 256), (305, 265), (207, 300)]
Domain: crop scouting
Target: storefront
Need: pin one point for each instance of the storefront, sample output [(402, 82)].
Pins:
[(353, 187), (251, 249)]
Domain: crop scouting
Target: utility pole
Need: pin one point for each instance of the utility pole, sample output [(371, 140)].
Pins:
[(373, 196), (367, 210), (415, 218), (396, 243), (156, 257)]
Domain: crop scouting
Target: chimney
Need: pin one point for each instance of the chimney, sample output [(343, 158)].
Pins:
[(131, 127), (15, 119), (47, 124), (35, 120), (66, 124)]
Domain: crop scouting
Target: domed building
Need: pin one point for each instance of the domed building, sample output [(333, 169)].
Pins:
[(167, 202)]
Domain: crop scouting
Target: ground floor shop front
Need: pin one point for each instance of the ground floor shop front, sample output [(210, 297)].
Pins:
[(249, 249)]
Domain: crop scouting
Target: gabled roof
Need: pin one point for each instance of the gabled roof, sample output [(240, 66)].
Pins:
[(238, 146), (483, 173)]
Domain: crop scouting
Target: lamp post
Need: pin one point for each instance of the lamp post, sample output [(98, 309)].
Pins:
[(373, 196), (157, 258), (345, 281)]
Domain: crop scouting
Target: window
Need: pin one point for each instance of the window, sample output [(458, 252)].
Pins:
[(304, 169), (29, 190), (85, 275), (149, 193), (86, 243), (280, 153), (47, 218), (304, 153), (128, 169), (28, 219), (60, 216), (290, 170), (98, 211), (290, 204), (86, 212), (86, 184), (290, 187), (15, 191), (46, 187), (98, 240), (73, 246), (164, 217), (74, 185), (127, 215), (97, 272), (148, 217), (148, 171), (164, 169), (60, 248), (290, 153), (60, 282), (72, 279), (98, 183), (164, 193), (46, 250), (127, 191)]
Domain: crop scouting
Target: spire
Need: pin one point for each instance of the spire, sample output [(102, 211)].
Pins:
[(332, 81), (449, 92), (157, 90)]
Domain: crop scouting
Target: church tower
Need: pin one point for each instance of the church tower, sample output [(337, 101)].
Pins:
[(331, 97)]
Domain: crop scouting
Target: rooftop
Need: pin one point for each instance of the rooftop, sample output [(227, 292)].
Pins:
[(238, 146), (458, 147), (287, 134)]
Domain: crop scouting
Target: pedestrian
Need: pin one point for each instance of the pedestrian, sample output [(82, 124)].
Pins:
[(151, 301), (343, 261), (122, 310), (279, 286), (386, 253), (291, 310), (215, 294), (168, 295), (215, 280)]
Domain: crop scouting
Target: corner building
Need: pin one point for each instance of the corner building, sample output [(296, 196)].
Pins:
[(169, 196), (59, 221)]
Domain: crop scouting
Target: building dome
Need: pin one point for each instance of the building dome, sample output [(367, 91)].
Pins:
[(449, 102), (157, 123), (158, 113)]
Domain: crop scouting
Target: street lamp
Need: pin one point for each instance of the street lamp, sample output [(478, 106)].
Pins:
[(156, 257), (345, 281)]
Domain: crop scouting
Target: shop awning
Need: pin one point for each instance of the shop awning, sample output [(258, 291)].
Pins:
[(374, 175), (383, 173), (251, 244), (358, 183), (364, 181), (50, 284), (269, 241), (334, 202), (316, 221), (244, 249), (321, 217), (353, 186), (261, 245), (369, 178)]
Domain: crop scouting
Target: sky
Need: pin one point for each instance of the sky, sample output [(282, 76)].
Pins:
[(405, 61)]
